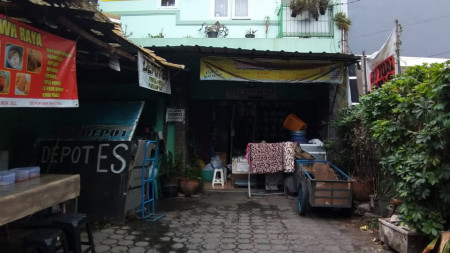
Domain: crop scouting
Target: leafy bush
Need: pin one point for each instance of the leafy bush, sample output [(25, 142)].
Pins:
[(410, 119)]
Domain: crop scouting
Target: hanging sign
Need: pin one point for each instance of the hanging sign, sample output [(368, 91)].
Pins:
[(37, 69), (270, 70), (381, 66), (152, 76), (175, 115)]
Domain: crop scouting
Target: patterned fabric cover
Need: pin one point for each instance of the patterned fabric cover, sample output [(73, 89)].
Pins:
[(271, 157)]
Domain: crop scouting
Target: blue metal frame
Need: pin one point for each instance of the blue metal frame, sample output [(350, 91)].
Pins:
[(149, 179)]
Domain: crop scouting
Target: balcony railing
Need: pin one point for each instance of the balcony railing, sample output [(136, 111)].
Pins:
[(302, 25)]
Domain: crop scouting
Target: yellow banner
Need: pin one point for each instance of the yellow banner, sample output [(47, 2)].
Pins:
[(270, 70)]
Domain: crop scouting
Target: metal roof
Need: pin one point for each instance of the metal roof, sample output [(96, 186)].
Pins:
[(238, 52), (97, 36)]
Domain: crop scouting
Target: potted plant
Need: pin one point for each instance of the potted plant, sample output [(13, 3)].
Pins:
[(312, 8), (190, 183), (297, 7), (323, 5), (214, 30), (250, 33), (169, 170)]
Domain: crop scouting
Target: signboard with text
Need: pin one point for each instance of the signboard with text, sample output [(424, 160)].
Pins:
[(152, 76), (270, 70), (103, 167), (37, 69)]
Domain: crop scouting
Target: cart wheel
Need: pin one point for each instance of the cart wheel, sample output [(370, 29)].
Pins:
[(303, 202)]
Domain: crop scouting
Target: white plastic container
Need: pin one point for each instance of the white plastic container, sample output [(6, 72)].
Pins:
[(7, 177), (21, 174), (316, 150), (33, 171)]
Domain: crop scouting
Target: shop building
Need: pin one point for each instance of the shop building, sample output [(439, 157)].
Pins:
[(240, 90)]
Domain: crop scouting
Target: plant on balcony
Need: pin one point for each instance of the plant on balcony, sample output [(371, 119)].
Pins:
[(250, 33), (297, 7), (342, 22), (323, 5), (214, 30), (312, 8)]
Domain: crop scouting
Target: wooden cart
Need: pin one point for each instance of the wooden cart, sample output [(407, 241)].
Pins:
[(315, 192)]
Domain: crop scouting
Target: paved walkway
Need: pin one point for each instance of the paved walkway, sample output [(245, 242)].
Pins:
[(232, 222)]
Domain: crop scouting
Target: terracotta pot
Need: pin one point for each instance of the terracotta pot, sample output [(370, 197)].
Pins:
[(361, 189), (189, 187)]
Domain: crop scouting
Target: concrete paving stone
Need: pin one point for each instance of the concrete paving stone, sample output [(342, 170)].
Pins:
[(228, 246), (213, 235), (259, 231), (229, 235), (198, 235), (246, 246), (278, 242), (210, 246), (279, 248), (274, 236), (244, 251), (226, 251), (136, 250), (119, 249), (107, 231), (260, 236), (193, 251), (121, 232), (130, 237), (228, 240), (177, 245), (110, 242), (196, 240), (245, 231), (244, 236), (116, 236), (243, 240), (261, 240), (125, 242), (314, 248), (125, 227), (169, 233), (165, 239), (209, 251), (141, 244), (261, 247), (178, 239), (102, 248)]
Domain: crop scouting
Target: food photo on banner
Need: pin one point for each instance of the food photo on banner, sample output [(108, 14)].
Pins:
[(37, 69)]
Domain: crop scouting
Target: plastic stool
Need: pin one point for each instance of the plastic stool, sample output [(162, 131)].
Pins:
[(46, 240), (217, 180), (71, 224)]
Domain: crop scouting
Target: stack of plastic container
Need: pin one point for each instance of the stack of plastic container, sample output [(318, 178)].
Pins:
[(18, 175), (297, 128)]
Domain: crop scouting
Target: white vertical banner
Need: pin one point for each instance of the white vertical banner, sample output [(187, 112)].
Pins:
[(152, 76), (381, 66)]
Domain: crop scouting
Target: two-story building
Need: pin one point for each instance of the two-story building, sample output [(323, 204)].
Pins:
[(237, 89)]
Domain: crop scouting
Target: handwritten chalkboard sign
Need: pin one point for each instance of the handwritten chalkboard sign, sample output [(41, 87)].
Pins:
[(103, 168)]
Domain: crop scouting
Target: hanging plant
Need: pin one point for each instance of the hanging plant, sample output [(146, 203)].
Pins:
[(342, 22), (297, 7), (312, 8), (323, 5)]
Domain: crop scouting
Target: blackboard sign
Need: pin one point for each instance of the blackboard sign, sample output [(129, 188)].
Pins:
[(103, 168)]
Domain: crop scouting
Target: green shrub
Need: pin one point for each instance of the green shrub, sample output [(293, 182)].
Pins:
[(410, 119)]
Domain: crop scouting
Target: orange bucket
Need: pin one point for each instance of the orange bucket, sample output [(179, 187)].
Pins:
[(294, 123)]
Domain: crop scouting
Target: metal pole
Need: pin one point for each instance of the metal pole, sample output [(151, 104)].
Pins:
[(365, 88), (397, 44)]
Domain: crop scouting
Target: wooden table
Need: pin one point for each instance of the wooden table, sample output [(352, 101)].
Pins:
[(25, 198)]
